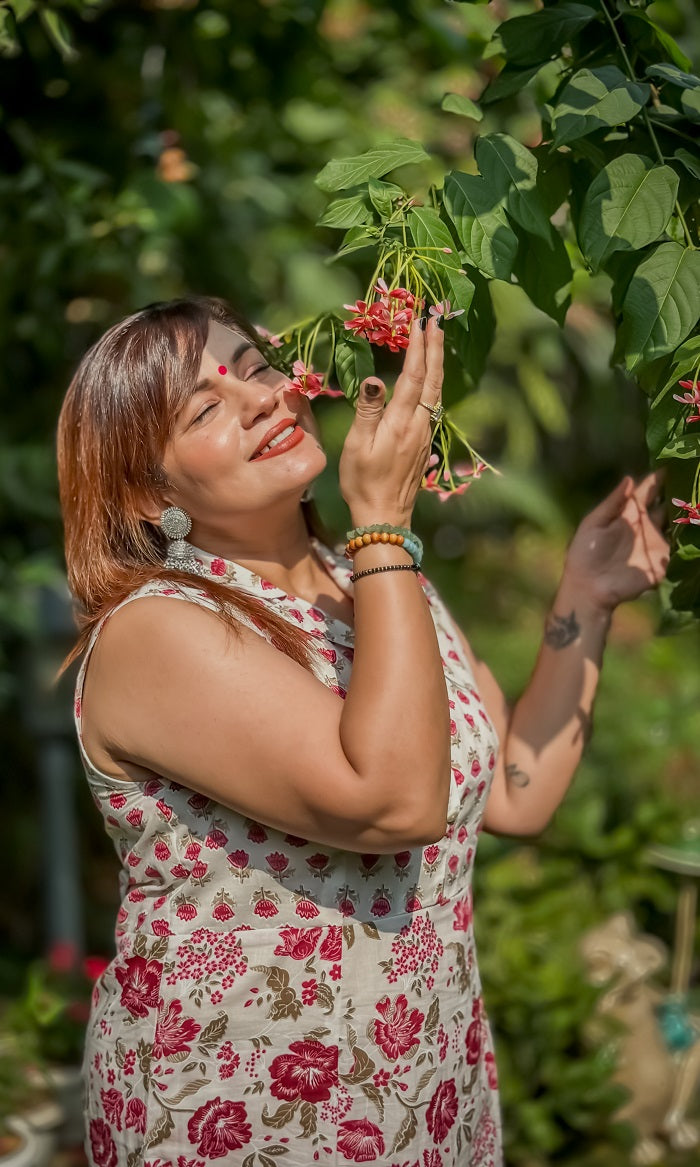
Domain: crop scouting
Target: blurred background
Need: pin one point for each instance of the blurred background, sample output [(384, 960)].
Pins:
[(174, 151)]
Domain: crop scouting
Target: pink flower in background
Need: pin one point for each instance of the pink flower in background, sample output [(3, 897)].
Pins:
[(442, 308), (693, 515), (270, 337), (309, 383), (692, 397), (463, 470)]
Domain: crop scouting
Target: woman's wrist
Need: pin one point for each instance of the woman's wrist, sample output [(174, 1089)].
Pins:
[(369, 516), (577, 603)]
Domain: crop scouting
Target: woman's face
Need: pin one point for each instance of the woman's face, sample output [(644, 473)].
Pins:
[(218, 461)]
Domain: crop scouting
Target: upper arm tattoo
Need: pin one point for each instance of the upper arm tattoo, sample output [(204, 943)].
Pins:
[(560, 631), (516, 776)]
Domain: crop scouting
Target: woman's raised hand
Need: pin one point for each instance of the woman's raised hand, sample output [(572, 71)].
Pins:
[(386, 450)]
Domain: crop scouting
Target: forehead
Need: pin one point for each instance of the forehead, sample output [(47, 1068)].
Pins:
[(224, 344)]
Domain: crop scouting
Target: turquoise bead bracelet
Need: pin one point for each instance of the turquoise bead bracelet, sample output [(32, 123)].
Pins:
[(385, 533)]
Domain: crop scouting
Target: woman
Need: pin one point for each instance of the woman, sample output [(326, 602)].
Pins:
[(294, 764)]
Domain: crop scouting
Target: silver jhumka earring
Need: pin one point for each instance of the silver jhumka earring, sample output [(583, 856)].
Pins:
[(176, 523)]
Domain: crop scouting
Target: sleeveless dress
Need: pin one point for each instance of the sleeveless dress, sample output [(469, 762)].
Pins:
[(277, 1003)]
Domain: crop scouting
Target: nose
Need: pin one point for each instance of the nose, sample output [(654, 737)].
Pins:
[(261, 399)]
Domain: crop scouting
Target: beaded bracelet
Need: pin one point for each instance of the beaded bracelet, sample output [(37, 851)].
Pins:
[(386, 567), (384, 533)]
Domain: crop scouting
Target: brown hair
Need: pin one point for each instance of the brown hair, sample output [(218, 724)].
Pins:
[(112, 431)]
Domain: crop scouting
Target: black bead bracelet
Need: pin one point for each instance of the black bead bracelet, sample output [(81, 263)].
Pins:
[(387, 567)]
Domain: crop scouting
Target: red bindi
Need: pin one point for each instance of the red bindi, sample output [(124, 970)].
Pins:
[(223, 370)]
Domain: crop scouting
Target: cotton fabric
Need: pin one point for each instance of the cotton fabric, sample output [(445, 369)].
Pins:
[(274, 1001)]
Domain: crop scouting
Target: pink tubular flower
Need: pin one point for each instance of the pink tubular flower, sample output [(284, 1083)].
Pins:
[(387, 320), (270, 337), (693, 515), (692, 397), (442, 308), (463, 470), (309, 383)]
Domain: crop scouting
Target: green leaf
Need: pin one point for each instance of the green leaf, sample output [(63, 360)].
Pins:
[(340, 173), (533, 39), (353, 363), (429, 231), (544, 272), (58, 32), (673, 74), (690, 161), (383, 195), (681, 446), (690, 100), (481, 224), (467, 349), (511, 171), (593, 99), (354, 240), (627, 206), (662, 303), (456, 103), (652, 40), (508, 82), (350, 212)]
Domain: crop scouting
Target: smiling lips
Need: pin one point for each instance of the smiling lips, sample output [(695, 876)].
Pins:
[(281, 438)]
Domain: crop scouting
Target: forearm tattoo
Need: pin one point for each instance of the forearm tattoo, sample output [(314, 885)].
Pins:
[(515, 776), (561, 631)]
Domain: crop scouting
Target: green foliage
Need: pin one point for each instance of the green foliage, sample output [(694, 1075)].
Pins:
[(625, 197)]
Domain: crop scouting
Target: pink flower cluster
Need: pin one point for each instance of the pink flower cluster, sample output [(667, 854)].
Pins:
[(309, 383), (463, 471), (386, 321), (693, 512), (692, 397)]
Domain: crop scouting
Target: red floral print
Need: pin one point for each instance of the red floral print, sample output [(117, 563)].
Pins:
[(475, 1034), (298, 943), (113, 1104), (135, 1116), (462, 912), (442, 1110), (309, 964), (173, 1033), (308, 1071), (219, 1127), (104, 1151), (360, 1140), (398, 1034), (332, 944), (140, 980)]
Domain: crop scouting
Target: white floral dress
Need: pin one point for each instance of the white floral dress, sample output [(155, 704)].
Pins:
[(277, 1003)]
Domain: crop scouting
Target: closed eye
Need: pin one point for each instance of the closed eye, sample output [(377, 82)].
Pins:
[(258, 369), (204, 412)]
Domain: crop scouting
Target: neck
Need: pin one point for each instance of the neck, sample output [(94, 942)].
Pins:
[(276, 547)]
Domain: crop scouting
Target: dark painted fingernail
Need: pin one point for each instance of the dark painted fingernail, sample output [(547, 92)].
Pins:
[(372, 389), (441, 321), (422, 322)]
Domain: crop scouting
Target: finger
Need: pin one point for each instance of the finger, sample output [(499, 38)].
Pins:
[(434, 362), (409, 384), (370, 407), (612, 506), (648, 489)]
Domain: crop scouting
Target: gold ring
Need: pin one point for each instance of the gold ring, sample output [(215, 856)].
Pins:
[(436, 411)]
